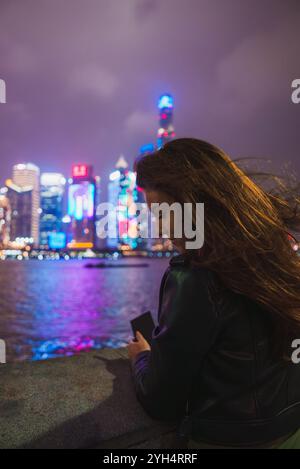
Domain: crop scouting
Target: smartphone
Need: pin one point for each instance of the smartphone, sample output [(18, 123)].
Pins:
[(145, 324)]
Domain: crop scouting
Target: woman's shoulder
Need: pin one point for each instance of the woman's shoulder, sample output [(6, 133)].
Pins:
[(187, 287), (182, 270), (183, 263), (179, 260)]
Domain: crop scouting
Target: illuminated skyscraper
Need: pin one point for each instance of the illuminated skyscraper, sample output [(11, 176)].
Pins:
[(52, 198), (82, 197), (122, 194), (166, 129), (24, 196), (144, 224), (20, 200), (5, 215)]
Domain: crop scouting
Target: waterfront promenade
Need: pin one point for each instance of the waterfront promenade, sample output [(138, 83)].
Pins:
[(84, 401)]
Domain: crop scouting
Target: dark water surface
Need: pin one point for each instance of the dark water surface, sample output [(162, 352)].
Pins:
[(58, 308)]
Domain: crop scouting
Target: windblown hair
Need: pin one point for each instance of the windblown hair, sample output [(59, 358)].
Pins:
[(248, 228)]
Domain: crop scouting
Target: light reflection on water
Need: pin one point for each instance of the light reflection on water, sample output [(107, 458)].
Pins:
[(59, 308)]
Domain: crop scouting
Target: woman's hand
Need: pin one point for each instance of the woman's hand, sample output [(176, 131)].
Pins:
[(135, 347)]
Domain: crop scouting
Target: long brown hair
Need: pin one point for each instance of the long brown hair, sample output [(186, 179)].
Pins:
[(248, 228)]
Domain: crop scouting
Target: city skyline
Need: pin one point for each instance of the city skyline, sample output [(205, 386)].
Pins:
[(89, 91), (165, 132), (50, 211)]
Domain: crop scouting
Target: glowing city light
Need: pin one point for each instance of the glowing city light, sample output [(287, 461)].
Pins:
[(115, 175), (66, 219), (80, 170), (57, 240), (81, 200), (52, 179), (165, 102), (148, 148)]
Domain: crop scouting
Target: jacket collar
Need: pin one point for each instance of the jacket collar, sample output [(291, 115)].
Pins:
[(179, 259)]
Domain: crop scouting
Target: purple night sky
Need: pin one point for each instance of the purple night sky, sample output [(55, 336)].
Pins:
[(83, 78)]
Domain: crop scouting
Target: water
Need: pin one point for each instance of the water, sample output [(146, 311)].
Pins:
[(59, 308)]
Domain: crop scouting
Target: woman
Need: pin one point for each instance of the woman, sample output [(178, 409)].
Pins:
[(220, 361)]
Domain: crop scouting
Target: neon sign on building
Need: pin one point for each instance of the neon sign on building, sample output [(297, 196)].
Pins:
[(80, 171), (81, 200)]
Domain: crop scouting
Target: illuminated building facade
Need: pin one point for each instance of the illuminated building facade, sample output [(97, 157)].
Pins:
[(147, 149), (24, 197), (20, 200), (5, 217), (82, 199), (122, 194), (144, 243), (166, 129), (52, 199)]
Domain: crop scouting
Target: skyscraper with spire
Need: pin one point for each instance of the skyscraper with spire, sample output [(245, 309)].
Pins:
[(166, 130)]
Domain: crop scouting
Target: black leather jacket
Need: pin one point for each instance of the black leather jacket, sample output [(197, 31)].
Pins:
[(210, 367)]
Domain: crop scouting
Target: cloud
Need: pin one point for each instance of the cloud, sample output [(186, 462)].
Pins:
[(20, 58), (145, 8), (258, 70), (140, 122), (228, 64), (18, 112), (94, 80)]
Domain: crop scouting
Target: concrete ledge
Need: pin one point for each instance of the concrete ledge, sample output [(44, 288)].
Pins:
[(85, 401)]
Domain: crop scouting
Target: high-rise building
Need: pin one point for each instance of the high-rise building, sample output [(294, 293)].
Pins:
[(145, 223), (82, 198), (52, 199), (122, 194), (166, 129), (5, 215), (24, 197), (20, 200)]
